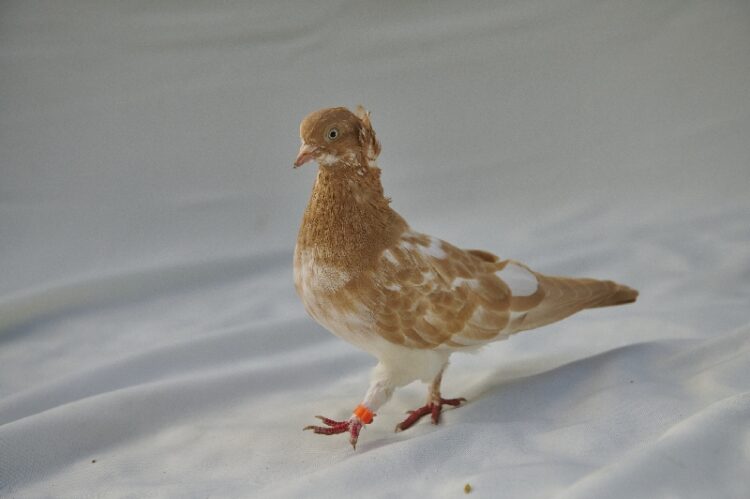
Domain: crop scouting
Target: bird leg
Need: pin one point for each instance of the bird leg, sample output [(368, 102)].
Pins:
[(434, 405), (381, 389), (353, 425)]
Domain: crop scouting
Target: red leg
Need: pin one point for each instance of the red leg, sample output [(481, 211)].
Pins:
[(414, 416), (353, 426), (434, 405), (432, 408), (328, 422)]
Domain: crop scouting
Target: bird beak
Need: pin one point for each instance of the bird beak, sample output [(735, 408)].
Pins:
[(306, 153)]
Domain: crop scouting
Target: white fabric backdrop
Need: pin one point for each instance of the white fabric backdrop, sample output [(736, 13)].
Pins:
[(151, 344)]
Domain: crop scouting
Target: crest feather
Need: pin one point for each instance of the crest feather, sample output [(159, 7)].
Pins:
[(367, 138)]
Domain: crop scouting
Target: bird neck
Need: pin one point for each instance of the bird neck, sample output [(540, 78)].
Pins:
[(348, 221)]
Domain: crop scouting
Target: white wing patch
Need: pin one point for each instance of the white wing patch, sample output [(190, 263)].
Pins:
[(458, 281), (389, 256), (435, 249), (520, 280)]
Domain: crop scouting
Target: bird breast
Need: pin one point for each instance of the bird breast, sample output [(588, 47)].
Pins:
[(316, 277)]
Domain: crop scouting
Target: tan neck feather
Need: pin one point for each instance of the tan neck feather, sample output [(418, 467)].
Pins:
[(348, 222)]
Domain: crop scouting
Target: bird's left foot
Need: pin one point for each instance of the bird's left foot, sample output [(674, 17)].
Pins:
[(433, 408), (352, 425)]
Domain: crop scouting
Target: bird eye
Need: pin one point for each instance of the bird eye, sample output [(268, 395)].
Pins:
[(332, 134)]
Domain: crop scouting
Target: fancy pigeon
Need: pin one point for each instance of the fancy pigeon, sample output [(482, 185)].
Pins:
[(407, 298)]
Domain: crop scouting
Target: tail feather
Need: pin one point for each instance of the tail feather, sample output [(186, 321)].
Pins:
[(620, 295), (564, 296)]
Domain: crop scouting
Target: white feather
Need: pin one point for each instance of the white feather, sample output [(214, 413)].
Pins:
[(435, 249), (520, 280)]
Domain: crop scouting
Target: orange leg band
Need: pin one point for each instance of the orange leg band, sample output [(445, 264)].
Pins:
[(364, 414)]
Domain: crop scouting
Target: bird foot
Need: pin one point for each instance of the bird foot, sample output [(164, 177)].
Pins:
[(352, 425), (432, 408)]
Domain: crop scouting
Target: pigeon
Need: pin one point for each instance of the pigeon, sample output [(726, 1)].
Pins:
[(407, 298)]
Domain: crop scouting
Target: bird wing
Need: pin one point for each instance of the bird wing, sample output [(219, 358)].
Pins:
[(426, 293), (429, 294)]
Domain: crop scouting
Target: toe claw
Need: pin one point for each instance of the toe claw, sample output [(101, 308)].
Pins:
[(354, 429)]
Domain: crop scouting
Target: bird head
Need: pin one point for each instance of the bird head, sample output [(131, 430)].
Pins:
[(335, 136)]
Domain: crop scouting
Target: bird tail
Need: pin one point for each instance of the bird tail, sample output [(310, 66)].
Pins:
[(564, 296), (618, 295)]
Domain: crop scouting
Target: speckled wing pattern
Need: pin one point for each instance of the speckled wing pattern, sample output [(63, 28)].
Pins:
[(428, 294)]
